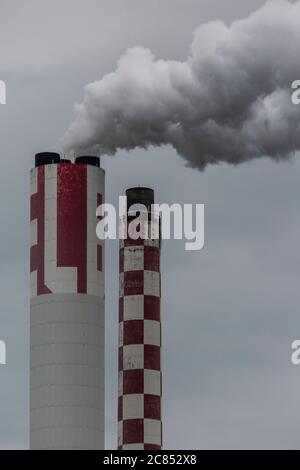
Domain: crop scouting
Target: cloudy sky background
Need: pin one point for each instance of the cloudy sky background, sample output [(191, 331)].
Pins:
[(230, 311)]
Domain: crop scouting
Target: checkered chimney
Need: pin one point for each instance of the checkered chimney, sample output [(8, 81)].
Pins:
[(139, 400)]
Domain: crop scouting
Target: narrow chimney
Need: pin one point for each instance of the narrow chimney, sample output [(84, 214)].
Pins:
[(139, 401)]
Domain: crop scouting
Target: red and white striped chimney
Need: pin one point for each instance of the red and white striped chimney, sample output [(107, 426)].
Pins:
[(139, 400), (67, 305)]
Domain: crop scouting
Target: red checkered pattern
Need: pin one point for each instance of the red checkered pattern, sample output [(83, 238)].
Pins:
[(139, 401)]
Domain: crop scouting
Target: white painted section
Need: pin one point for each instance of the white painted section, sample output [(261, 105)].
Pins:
[(152, 385), (33, 232), (68, 437), (120, 433), (51, 177), (51, 173), (133, 258), (133, 356), (50, 230), (67, 372), (50, 204), (33, 181), (33, 284), (133, 406), (152, 283), (152, 431), (133, 447), (60, 333), (133, 307), (152, 332), (66, 353), (95, 185)]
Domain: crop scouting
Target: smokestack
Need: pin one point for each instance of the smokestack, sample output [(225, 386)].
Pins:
[(67, 305), (139, 401)]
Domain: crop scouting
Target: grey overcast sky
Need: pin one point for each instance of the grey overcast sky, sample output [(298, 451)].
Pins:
[(231, 311)]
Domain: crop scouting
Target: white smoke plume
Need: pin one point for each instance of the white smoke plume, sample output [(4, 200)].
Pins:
[(230, 101)]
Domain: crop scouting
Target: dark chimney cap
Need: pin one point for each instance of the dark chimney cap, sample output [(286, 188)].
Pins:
[(65, 160), (46, 158), (140, 195), (88, 160)]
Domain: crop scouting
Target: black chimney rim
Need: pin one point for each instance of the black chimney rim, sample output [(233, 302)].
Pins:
[(140, 195), (88, 160), (46, 158)]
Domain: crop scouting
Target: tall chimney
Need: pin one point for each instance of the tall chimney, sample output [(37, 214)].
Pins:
[(67, 305), (139, 401)]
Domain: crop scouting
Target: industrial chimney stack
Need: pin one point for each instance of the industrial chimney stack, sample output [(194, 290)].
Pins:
[(67, 305), (139, 401)]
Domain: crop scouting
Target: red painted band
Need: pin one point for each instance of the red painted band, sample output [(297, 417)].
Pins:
[(151, 258), (133, 381), (152, 407), (134, 283), (133, 332), (151, 307), (72, 215), (151, 357), (133, 431)]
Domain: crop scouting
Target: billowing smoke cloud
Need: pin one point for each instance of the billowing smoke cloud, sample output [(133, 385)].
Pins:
[(229, 102)]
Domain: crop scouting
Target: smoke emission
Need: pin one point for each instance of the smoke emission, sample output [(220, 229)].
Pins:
[(230, 101)]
